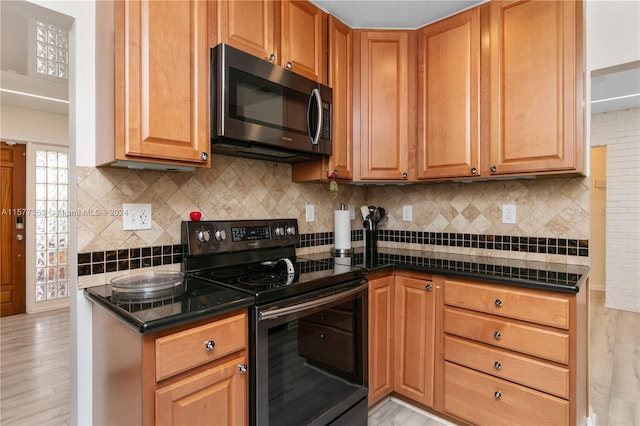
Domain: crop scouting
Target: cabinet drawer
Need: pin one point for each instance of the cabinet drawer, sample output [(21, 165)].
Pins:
[(521, 337), (507, 365), (528, 305), (486, 400), (187, 349)]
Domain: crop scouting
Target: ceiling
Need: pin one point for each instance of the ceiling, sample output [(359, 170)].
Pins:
[(611, 89)]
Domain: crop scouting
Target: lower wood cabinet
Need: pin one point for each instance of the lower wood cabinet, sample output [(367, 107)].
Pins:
[(402, 338), (479, 353), (188, 375)]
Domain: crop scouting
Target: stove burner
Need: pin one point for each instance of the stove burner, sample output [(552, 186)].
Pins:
[(264, 278), (226, 273)]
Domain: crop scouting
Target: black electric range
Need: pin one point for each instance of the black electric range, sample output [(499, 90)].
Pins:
[(258, 257)]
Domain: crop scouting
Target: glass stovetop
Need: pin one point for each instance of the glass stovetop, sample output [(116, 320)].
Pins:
[(271, 281)]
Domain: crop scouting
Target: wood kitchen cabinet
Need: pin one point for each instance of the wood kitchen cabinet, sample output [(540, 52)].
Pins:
[(402, 344), (341, 81), (289, 33), (415, 338), (449, 97), (514, 355), (161, 74), (384, 111), (535, 91), (381, 338), (170, 377), (500, 91)]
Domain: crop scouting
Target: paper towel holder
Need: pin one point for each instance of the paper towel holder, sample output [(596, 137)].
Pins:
[(341, 252)]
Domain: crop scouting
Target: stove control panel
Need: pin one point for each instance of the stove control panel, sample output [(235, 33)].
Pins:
[(213, 236)]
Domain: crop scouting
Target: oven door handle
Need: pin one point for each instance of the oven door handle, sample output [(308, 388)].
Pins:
[(275, 313)]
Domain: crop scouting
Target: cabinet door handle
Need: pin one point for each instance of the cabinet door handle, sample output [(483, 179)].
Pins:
[(474, 170), (498, 303), (429, 287), (493, 169), (405, 175), (498, 394), (272, 57), (204, 156), (242, 368), (209, 345), (497, 365), (497, 335), (288, 66)]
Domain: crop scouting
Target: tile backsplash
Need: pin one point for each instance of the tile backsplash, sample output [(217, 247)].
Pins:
[(551, 213)]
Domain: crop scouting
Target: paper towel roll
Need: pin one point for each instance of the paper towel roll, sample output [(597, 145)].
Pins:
[(342, 229)]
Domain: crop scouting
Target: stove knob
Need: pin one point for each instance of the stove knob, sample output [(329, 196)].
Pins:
[(291, 230), (279, 231), (220, 235), (203, 236)]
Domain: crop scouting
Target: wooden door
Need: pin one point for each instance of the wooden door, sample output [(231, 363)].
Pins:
[(536, 90), (386, 104), (303, 48), (216, 396), (162, 81), (12, 240), (381, 341), (246, 25), (415, 339), (449, 97)]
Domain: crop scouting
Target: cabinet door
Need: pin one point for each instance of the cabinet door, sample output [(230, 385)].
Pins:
[(217, 395), (415, 338), (536, 86), (302, 39), (387, 98), (246, 25), (381, 344), (161, 80), (449, 97), (341, 81)]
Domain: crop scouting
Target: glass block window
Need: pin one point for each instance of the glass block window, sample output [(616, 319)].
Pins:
[(52, 50), (52, 225)]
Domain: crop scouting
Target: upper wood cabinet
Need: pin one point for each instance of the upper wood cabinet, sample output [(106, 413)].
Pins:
[(162, 82), (536, 86), (246, 25), (290, 33), (384, 104), (449, 97), (341, 81)]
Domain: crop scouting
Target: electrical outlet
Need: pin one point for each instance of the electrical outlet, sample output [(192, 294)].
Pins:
[(310, 213), (508, 213), (136, 216), (407, 213)]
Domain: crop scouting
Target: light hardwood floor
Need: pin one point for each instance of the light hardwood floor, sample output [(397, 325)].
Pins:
[(34, 371)]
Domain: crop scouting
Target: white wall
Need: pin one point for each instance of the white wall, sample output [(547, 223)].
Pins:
[(612, 32), (620, 132), (29, 125), (82, 132)]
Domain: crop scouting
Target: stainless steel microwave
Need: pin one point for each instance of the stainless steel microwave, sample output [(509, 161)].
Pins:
[(260, 110)]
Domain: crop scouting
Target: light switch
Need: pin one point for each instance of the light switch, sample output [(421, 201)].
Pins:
[(407, 213), (310, 213)]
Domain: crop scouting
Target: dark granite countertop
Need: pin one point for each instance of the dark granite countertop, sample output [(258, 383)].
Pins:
[(198, 302), (524, 273)]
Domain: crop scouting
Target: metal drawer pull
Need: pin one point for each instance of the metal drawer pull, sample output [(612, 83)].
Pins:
[(429, 287), (498, 303), (497, 335), (242, 368), (497, 365), (209, 345), (498, 394)]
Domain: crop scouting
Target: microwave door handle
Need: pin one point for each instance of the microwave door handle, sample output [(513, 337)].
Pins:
[(315, 94)]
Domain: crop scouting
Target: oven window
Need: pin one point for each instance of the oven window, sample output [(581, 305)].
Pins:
[(255, 100), (315, 362)]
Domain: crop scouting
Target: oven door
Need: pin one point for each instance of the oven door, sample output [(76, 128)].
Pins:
[(310, 359)]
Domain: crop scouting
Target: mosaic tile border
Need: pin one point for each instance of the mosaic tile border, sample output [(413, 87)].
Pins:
[(99, 262), (125, 259)]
